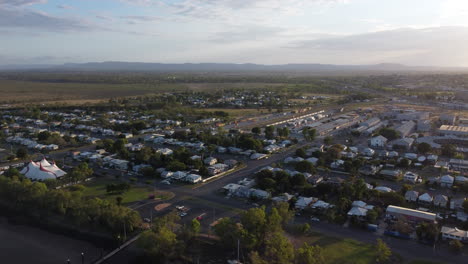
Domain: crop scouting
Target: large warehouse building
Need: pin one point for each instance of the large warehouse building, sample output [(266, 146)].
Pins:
[(453, 130)]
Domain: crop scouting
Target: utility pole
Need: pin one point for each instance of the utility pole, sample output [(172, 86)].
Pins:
[(238, 253), (125, 233)]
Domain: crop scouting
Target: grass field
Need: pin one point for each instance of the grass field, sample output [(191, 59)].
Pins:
[(97, 188), (341, 251), (33, 92)]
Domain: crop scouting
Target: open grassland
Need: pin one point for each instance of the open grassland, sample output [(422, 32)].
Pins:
[(97, 188), (15, 92)]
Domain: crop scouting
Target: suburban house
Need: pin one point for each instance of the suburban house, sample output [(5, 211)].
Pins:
[(411, 196), (441, 200), (359, 209), (457, 203), (446, 181), (369, 170), (210, 161), (454, 233), (410, 177), (425, 198), (378, 142), (285, 197), (304, 202), (403, 143), (391, 174)]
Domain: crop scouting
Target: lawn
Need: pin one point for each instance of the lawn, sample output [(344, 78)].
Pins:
[(97, 188), (342, 251), (424, 262)]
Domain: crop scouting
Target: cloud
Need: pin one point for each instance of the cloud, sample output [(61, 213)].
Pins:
[(428, 46), (64, 7), (247, 33), (17, 3), (30, 19), (141, 18)]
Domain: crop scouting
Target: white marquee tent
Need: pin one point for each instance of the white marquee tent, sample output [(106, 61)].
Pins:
[(42, 170)]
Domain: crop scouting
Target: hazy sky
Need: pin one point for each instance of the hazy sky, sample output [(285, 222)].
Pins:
[(414, 32)]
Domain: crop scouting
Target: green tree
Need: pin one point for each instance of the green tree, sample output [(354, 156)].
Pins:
[(254, 258), (427, 231), (328, 140), (176, 165), (305, 166), (195, 226), (456, 246), (465, 206), (383, 252), (284, 212), (300, 152), (274, 221), (269, 132), (278, 249), (254, 221), (449, 150), (22, 153), (228, 232), (309, 254), (43, 136), (424, 148), (158, 245), (389, 133), (256, 130)]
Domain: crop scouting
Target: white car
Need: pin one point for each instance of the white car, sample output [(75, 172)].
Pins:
[(166, 182), (315, 219), (180, 207), (182, 214)]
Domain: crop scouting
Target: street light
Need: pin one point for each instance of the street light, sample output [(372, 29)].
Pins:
[(82, 257), (68, 261)]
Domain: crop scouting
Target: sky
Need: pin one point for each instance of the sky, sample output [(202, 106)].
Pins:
[(411, 32)]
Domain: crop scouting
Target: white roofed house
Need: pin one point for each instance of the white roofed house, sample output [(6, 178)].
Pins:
[(425, 198), (446, 181), (165, 151), (304, 202), (368, 152), (457, 203), (454, 233), (179, 175), (259, 194), (411, 196), (441, 200), (193, 178), (410, 177), (359, 209), (119, 164), (42, 170), (285, 197), (210, 161), (378, 142), (217, 168), (391, 174), (404, 143)]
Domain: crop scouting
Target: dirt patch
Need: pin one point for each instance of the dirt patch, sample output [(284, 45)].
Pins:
[(162, 206)]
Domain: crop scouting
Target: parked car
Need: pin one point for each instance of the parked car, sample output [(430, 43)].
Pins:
[(147, 220), (166, 182), (315, 219), (182, 214)]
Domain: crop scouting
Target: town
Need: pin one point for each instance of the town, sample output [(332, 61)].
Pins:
[(369, 167)]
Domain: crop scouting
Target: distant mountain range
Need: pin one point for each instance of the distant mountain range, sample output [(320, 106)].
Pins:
[(228, 67)]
